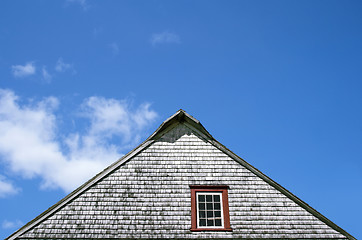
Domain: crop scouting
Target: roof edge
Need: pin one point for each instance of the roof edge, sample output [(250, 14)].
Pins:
[(277, 186), (69, 197)]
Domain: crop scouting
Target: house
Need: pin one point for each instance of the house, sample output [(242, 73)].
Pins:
[(182, 184)]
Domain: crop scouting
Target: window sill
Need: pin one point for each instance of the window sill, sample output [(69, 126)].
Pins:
[(211, 229)]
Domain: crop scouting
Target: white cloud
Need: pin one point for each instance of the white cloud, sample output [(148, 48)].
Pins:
[(6, 188), (113, 117), (61, 66), (30, 143), (114, 47), (23, 70), (46, 76), (11, 224), (164, 37)]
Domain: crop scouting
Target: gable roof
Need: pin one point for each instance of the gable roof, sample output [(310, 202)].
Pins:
[(180, 117)]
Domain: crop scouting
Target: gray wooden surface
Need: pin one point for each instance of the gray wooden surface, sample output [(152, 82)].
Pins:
[(149, 197)]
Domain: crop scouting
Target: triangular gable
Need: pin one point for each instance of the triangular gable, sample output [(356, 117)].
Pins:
[(179, 127)]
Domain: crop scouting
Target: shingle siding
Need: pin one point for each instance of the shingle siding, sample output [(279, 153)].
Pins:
[(149, 197)]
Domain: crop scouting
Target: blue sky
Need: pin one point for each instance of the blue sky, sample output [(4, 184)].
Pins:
[(83, 82)]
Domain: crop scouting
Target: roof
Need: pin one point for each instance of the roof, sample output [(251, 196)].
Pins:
[(180, 131)]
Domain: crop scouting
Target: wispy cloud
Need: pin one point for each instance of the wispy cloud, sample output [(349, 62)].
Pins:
[(23, 70), (61, 66), (11, 224), (30, 69), (31, 146), (83, 3), (114, 47), (7, 188), (46, 76), (164, 37), (97, 31)]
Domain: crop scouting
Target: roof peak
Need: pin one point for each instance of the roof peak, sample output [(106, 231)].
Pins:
[(180, 116)]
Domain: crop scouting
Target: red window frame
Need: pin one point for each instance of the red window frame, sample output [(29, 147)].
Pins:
[(207, 188)]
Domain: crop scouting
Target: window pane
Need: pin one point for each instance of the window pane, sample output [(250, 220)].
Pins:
[(209, 206), (217, 222), (201, 198), (210, 223), (202, 222), (202, 206), (217, 206), (209, 210), (217, 213)]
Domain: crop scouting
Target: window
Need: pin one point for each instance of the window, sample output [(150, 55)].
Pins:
[(209, 208)]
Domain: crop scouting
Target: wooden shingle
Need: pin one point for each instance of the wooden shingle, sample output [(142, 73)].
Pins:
[(146, 194)]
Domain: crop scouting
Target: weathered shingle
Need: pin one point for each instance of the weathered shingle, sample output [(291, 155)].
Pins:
[(149, 197)]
